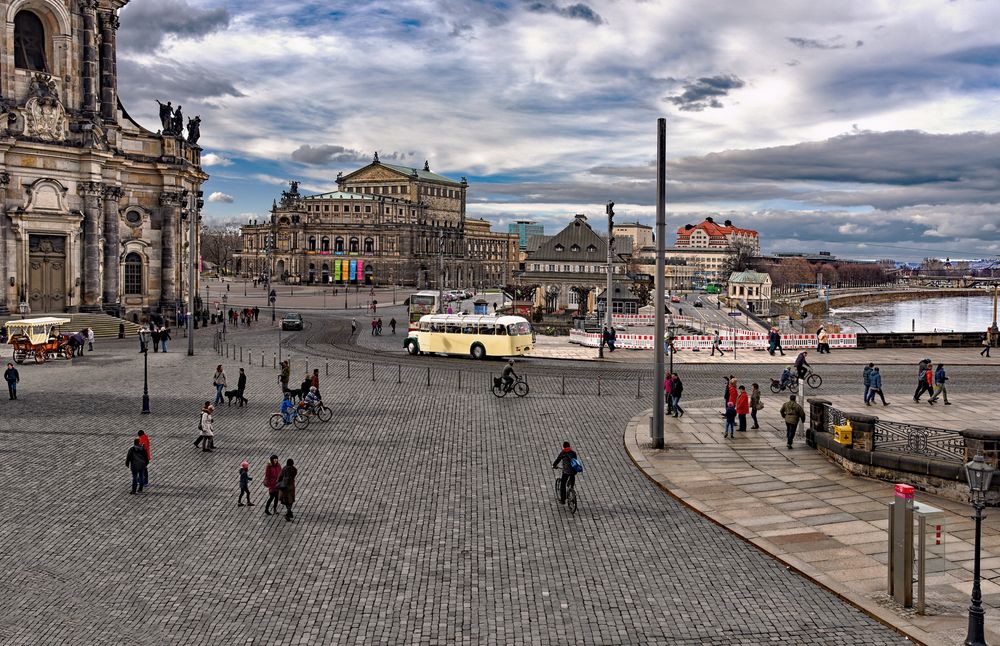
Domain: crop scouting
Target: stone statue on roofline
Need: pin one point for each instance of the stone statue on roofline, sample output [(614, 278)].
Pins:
[(194, 130)]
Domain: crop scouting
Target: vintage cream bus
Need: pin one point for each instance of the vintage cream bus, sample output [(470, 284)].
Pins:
[(478, 336)]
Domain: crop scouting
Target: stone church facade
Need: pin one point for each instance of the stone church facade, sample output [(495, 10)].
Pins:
[(93, 206), (385, 224)]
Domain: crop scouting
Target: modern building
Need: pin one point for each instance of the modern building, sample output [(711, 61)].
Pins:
[(641, 234), (92, 204), (524, 230), (710, 235), (571, 264), (385, 224), (752, 289)]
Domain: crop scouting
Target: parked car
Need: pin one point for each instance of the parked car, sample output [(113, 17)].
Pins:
[(675, 299), (291, 321), (698, 304)]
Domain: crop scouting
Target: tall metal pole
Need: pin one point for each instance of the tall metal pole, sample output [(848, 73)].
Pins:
[(656, 423), (440, 307), (977, 616), (192, 266), (608, 295)]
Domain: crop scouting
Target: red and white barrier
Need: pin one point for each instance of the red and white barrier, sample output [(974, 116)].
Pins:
[(742, 340)]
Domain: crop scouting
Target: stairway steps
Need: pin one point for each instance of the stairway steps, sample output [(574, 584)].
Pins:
[(104, 326)]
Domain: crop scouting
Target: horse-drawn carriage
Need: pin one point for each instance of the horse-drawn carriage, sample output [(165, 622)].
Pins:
[(39, 339)]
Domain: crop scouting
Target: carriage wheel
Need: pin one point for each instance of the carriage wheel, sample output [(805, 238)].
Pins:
[(40, 357)]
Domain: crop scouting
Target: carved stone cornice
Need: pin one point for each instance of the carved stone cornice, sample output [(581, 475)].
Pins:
[(90, 189), (110, 20), (88, 5), (112, 192), (171, 198), (4, 179)]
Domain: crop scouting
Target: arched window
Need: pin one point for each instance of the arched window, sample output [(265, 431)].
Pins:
[(354, 245), (312, 243), (325, 244), (338, 245), (29, 42), (133, 274), (369, 245)]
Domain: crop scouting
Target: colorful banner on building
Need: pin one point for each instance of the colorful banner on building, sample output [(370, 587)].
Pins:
[(361, 271), (336, 270), (343, 270), (354, 270)]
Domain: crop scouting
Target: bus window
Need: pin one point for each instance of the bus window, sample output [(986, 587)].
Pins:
[(518, 329), (437, 327), (501, 330), (468, 329), (486, 329), (425, 327), (452, 328)]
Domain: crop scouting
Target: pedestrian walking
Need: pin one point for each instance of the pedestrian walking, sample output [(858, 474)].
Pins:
[(286, 375), (379, 326), (272, 473), (286, 487), (392, 325), (374, 326), (876, 387), (206, 430), (219, 381), (940, 389), (742, 408), (136, 461), (921, 379), (245, 484), (667, 397), (777, 339), (12, 377), (304, 387), (155, 334), (164, 337), (241, 387), (755, 404), (314, 381), (792, 413), (866, 378), (985, 352), (676, 390), (144, 441), (730, 430), (90, 339), (717, 344), (354, 326), (823, 338)]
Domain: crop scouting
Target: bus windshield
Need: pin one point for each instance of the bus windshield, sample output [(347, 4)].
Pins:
[(519, 329), (420, 305)]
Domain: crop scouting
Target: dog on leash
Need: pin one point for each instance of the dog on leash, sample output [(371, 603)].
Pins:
[(235, 394)]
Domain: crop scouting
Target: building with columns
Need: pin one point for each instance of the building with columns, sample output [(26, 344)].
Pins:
[(92, 204), (385, 224)]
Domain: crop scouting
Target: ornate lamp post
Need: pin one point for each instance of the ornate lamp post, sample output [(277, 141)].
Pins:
[(978, 474), (144, 335)]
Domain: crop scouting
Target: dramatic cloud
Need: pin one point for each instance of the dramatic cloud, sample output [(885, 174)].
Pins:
[(211, 159), (577, 11), (145, 24), (837, 42), (705, 92), (221, 197), (327, 154)]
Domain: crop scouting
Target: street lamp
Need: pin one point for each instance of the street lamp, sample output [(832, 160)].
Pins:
[(144, 337), (978, 475)]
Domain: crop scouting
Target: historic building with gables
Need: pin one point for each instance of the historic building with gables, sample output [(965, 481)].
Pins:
[(91, 203), (385, 224)]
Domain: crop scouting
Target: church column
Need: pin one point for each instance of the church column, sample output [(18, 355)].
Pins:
[(91, 284), (112, 248), (109, 56), (89, 62), (5, 273), (170, 212)]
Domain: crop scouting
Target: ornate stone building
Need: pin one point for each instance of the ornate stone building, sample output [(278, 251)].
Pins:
[(91, 203), (386, 224)]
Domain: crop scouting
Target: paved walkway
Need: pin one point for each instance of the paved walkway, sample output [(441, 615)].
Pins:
[(811, 515)]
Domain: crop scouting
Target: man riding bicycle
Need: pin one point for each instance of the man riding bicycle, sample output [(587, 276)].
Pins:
[(288, 409), (567, 456), (801, 364), (508, 375), (786, 377)]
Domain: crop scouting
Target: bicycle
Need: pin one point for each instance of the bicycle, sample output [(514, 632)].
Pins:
[(519, 387), (320, 410), (300, 420), (812, 379), (571, 502)]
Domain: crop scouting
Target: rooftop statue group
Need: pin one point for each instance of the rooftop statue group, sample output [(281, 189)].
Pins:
[(173, 123)]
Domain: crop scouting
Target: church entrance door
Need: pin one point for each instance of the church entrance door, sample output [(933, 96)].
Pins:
[(46, 273)]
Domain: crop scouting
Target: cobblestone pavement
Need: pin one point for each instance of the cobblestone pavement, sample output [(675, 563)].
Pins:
[(423, 517)]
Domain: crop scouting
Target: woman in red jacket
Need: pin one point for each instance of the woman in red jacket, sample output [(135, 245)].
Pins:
[(742, 408), (271, 474)]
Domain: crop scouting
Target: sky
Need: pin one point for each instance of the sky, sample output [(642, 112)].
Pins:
[(865, 128)]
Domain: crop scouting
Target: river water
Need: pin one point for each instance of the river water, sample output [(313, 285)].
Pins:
[(958, 314)]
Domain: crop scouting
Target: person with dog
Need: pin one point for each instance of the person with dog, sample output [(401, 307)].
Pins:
[(219, 381), (272, 472), (241, 387), (304, 387)]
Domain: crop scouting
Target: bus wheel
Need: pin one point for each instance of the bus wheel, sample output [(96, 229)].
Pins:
[(478, 351), (413, 348)]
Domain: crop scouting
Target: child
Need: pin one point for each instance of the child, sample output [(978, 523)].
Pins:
[(245, 483), (730, 420)]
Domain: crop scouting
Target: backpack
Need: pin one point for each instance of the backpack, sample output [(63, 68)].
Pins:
[(576, 465)]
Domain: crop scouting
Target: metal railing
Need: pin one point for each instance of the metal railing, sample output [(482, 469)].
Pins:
[(936, 443)]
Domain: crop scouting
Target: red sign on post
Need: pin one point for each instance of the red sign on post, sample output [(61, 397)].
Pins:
[(904, 491)]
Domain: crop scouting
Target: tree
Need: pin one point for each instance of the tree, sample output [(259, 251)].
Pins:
[(582, 296), (643, 290), (219, 246), (740, 256)]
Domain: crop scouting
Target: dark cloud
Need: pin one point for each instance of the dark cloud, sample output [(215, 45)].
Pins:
[(146, 23), (327, 154), (166, 78), (812, 43), (706, 92), (578, 11)]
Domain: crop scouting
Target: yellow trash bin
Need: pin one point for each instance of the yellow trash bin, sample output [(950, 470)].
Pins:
[(843, 434)]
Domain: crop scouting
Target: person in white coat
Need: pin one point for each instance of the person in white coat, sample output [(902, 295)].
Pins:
[(206, 437)]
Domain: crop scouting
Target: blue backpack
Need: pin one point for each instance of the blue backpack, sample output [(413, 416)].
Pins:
[(576, 465)]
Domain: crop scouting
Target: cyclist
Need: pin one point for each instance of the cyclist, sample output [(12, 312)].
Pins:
[(786, 377), (288, 408), (567, 456), (508, 376), (312, 398), (801, 364)]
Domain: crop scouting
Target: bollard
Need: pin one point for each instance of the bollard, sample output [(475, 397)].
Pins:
[(307, 365), (428, 375), (250, 357), (459, 381), (598, 385), (274, 361), (373, 371), (261, 358), (348, 368), (564, 385), (399, 374), (327, 367), (241, 354), (638, 388)]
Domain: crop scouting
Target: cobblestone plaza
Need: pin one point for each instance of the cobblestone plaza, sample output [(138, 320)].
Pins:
[(423, 516)]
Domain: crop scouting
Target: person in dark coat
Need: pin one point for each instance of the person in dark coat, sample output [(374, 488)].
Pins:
[(286, 487), (304, 387), (155, 333), (241, 386), (272, 473), (566, 457), (11, 376), (136, 460)]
